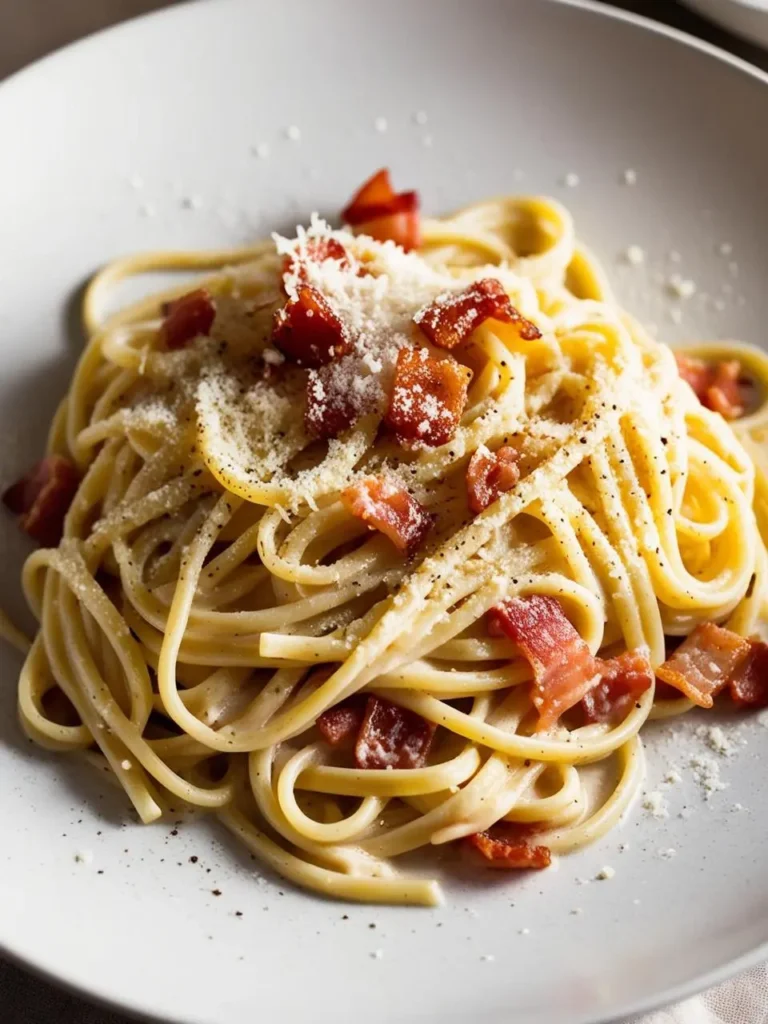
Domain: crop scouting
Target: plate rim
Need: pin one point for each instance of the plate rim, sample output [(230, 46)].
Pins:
[(28, 962), (743, 19)]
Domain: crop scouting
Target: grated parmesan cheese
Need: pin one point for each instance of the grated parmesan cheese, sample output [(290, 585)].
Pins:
[(248, 425), (706, 772), (606, 873), (656, 804), (273, 356), (716, 740), (681, 287)]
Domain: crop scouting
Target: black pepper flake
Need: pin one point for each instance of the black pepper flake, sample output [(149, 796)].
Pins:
[(216, 892), (193, 859)]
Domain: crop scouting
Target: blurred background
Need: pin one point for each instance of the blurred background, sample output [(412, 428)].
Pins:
[(31, 28)]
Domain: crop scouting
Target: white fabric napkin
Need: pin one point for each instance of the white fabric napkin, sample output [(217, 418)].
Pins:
[(742, 1000)]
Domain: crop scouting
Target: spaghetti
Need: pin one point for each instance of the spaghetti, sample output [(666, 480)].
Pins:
[(355, 621)]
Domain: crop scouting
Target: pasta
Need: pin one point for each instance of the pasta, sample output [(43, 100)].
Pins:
[(221, 615)]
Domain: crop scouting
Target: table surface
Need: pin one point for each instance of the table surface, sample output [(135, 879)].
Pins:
[(30, 29)]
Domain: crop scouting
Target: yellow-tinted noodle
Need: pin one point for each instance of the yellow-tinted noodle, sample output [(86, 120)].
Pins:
[(194, 593)]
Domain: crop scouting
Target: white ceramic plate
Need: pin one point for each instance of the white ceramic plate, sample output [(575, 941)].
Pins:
[(145, 137), (747, 18)]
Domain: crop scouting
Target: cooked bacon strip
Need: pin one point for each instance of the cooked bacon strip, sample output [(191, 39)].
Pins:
[(507, 846), (330, 409), (376, 210), (340, 725), (317, 250), (376, 190), (725, 394), (187, 318), (622, 681), (563, 667), (490, 474), (389, 508), (748, 683), (397, 221), (703, 663), (392, 737), (308, 332), (42, 497), (428, 397), (452, 317), (716, 385)]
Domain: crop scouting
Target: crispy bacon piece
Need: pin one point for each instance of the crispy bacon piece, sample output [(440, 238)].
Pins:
[(724, 394), (317, 250), (507, 846), (452, 317), (373, 192), (340, 725), (397, 221), (748, 683), (390, 509), (622, 681), (308, 332), (490, 474), (428, 397), (187, 318), (392, 737), (42, 498), (376, 210), (703, 663), (330, 409), (718, 386), (563, 667)]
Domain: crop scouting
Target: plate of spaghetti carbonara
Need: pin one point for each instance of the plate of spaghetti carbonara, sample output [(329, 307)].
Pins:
[(395, 563)]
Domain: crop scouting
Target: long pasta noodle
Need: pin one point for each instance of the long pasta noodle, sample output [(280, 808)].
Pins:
[(209, 566)]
